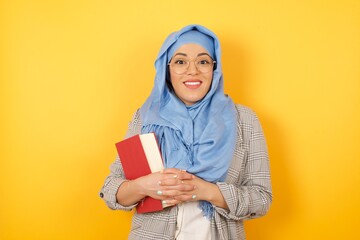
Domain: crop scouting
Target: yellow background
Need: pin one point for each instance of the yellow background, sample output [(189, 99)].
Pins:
[(73, 72)]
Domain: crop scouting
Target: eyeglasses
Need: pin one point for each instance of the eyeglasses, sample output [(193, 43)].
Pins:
[(181, 64)]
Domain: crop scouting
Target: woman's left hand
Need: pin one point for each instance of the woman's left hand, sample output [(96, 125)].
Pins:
[(202, 190)]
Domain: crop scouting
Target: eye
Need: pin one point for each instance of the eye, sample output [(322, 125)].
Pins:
[(179, 62), (204, 62)]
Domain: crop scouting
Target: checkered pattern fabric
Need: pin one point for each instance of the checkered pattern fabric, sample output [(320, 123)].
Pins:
[(246, 190)]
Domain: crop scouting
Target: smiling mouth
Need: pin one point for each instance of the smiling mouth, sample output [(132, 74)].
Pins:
[(192, 84)]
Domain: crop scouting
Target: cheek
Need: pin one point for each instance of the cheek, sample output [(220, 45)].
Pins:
[(209, 80), (175, 79)]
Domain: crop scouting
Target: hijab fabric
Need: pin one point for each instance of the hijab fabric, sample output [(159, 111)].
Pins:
[(199, 138)]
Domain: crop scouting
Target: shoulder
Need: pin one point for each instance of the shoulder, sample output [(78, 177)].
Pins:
[(248, 123), (245, 114), (136, 115), (134, 126), (136, 119)]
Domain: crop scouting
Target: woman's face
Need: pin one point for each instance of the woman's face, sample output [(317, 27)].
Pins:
[(192, 85)]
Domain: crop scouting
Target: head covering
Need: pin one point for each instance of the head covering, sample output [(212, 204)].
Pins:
[(192, 36), (199, 138)]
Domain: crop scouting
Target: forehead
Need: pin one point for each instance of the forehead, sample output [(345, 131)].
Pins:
[(191, 49)]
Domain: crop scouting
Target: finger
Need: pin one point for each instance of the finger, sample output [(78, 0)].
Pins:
[(178, 173), (180, 188), (186, 197), (170, 202), (169, 176), (170, 182), (172, 192), (161, 195), (183, 175), (172, 170)]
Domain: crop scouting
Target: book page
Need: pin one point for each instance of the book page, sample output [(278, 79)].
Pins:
[(152, 152)]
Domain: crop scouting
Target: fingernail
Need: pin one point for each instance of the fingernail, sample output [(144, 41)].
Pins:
[(164, 202), (194, 187), (175, 176), (159, 182)]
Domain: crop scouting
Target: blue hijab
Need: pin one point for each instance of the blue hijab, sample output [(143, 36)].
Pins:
[(199, 138)]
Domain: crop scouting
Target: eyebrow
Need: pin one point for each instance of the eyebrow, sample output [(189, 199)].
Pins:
[(185, 55)]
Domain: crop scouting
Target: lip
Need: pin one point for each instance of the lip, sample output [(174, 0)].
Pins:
[(192, 83)]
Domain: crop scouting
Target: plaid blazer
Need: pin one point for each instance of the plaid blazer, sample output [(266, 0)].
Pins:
[(247, 188)]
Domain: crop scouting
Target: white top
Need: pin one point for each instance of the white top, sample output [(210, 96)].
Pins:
[(191, 224)]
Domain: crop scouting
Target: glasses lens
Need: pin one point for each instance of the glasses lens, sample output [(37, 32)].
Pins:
[(203, 64), (179, 64)]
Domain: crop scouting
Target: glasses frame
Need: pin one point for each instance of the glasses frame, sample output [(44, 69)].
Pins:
[(188, 65)]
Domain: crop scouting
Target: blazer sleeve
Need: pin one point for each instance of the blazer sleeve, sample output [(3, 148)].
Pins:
[(250, 195), (116, 177)]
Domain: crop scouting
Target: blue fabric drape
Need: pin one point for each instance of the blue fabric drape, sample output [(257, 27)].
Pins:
[(198, 138)]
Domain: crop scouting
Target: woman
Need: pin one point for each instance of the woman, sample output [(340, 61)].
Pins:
[(216, 162)]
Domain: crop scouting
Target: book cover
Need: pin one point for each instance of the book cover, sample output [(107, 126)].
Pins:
[(140, 155)]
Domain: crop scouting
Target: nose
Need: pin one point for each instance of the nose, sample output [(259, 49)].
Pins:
[(192, 69)]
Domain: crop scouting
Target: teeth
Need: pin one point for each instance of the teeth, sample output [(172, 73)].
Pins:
[(192, 83)]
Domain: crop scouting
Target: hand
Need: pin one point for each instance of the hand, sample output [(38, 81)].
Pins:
[(171, 185), (203, 190), (166, 185)]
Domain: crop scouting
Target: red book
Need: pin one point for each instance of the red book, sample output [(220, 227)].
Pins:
[(140, 155)]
